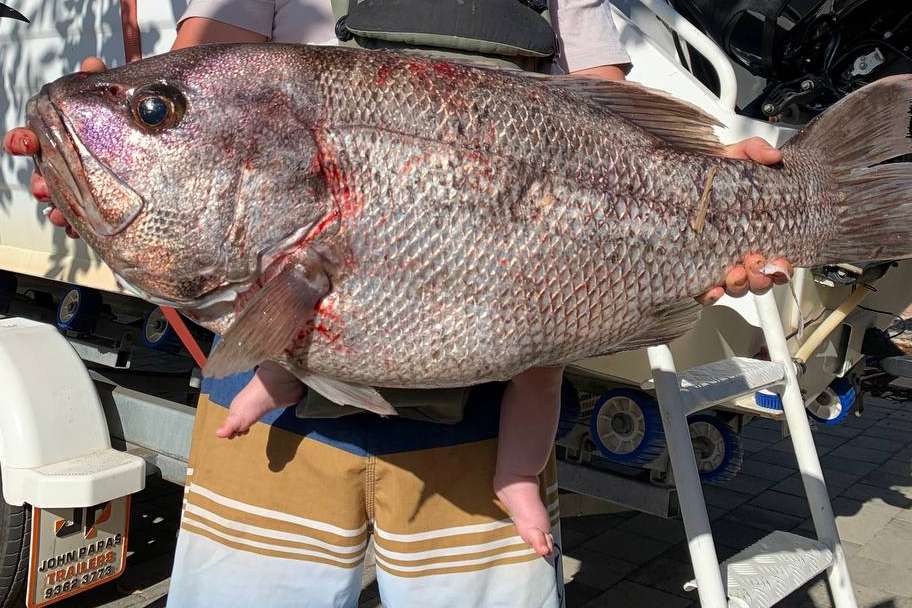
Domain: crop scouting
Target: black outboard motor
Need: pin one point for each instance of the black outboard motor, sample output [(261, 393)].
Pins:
[(811, 52)]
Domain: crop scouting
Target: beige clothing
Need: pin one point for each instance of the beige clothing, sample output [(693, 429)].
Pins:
[(586, 34)]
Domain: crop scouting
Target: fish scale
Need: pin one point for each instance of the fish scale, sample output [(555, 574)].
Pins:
[(387, 220), (513, 309)]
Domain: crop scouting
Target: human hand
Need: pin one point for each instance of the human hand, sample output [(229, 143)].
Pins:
[(754, 273), (22, 141)]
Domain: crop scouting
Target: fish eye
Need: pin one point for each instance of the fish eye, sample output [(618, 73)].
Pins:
[(157, 106), (153, 111)]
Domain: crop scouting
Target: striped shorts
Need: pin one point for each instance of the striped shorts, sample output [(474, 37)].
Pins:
[(282, 516)]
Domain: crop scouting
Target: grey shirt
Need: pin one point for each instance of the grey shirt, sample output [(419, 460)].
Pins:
[(586, 34)]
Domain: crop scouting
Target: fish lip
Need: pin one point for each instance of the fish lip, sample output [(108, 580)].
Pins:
[(56, 157)]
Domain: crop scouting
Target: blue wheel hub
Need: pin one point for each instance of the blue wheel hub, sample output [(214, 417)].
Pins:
[(717, 448), (157, 333), (626, 427), (768, 400), (834, 404), (79, 310)]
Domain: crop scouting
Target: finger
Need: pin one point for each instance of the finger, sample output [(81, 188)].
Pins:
[(736, 282), (92, 64), (70, 232), (39, 188), (759, 282), (779, 270), (738, 150), (758, 150), (20, 142), (57, 218), (711, 297)]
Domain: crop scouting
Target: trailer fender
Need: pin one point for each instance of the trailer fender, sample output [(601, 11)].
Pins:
[(55, 449)]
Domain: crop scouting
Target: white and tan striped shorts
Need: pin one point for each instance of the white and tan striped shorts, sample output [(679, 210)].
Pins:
[(282, 517)]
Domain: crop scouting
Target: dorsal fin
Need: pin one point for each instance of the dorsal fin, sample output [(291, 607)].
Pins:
[(680, 124)]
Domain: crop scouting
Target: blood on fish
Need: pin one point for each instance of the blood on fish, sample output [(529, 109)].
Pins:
[(382, 75), (418, 68), (326, 308), (327, 332), (349, 202), (326, 323), (445, 69), (320, 226)]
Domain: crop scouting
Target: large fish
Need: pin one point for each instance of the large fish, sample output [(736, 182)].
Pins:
[(375, 219)]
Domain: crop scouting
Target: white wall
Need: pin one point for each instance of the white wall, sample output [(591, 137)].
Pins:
[(61, 34)]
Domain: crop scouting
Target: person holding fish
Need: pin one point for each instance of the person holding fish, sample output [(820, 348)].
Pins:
[(282, 517)]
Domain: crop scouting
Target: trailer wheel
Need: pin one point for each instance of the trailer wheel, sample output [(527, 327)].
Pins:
[(834, 404), (626, 427), (158, 334), (79, 309), (717, 448), (15, 526)]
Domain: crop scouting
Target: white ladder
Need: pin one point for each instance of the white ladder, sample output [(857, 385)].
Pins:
[(768, 571)]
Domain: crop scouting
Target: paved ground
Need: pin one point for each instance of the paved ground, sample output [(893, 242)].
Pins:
[(627, 560), (630, 560)]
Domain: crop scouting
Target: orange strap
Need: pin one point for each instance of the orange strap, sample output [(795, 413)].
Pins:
[(133, 52), (183, 332)]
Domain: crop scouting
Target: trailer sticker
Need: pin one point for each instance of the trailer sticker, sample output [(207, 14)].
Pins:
[(74, 550)]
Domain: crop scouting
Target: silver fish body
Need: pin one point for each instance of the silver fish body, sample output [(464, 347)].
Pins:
[(394, 221)]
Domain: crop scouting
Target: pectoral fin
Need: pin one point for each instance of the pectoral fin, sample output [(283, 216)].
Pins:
[(355, 395), (269, 324)]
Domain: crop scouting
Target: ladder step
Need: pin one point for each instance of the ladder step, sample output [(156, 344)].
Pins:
[(771, 569), (722, 381)]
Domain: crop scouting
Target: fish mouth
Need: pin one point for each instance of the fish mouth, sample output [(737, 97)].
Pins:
[(63, 160), (57, 158), (59, 162)]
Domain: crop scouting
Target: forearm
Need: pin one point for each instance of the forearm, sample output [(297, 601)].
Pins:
[(199, 30), (602, 72)]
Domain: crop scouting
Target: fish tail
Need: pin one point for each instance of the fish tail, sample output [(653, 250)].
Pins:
[(866, 140)]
